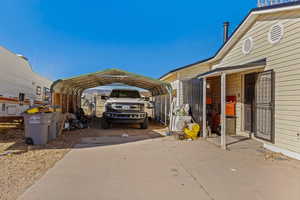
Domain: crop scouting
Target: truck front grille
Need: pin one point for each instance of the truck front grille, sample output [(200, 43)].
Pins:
[(126, 115), (128, 107)]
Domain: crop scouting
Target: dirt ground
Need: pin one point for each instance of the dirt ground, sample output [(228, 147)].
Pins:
[(21, 165)]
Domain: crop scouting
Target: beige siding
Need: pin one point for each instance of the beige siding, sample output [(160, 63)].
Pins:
[(192, 72), (284, 59), (170, 78), (233, 85)]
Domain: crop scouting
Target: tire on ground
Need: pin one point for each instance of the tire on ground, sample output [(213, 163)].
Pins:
[(145, 124), (104, 124)]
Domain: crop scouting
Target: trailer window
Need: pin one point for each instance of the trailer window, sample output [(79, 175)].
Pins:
[(21, 97), (3, 107), (38, 90)]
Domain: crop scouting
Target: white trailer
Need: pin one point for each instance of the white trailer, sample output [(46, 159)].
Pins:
[(20, 87)]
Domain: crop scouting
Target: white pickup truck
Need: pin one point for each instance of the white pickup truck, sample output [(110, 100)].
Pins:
[(125, 106)]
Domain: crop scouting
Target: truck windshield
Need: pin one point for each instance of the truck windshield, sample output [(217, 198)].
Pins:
[(125, 94)]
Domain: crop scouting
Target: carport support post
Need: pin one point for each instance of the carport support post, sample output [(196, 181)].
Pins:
[(170, 114), (223, 111), (166, 102), (161, 108), (68, 99), (79, 100), (74, 102), (61, 96), (53, 100), (204, 129)]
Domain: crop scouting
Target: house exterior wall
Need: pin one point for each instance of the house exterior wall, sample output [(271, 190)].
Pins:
[(170, 78), (193, 71), (284, 59), (176, 79)]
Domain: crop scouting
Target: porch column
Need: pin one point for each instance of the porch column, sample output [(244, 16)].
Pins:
[(223, 111), (204, 109)]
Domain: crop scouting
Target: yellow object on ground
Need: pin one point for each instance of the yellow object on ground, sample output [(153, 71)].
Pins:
[(44, 109), (192, 131), (33, 110)]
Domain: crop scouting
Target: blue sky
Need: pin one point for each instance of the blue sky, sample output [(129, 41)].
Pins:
[(64, 38)]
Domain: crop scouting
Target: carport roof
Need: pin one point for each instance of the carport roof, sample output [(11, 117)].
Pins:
[(109, 76)]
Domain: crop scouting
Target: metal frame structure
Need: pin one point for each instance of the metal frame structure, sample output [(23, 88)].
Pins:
[(264, 106), (66, 92)]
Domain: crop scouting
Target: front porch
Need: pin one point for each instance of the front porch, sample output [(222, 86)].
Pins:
[(231, 97)]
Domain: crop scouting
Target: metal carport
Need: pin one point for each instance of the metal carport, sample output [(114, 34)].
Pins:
[(66, 93)]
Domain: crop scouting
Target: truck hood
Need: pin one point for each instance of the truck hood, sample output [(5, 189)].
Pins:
[(125, 100)]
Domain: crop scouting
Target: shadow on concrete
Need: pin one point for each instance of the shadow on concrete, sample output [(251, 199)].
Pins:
[(88, 142), (119, 134), (230, 140), (13, 142), (238, 139)]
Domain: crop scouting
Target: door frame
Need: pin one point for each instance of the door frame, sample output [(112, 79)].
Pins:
[(242, 95), (253, 113), (272, 139)]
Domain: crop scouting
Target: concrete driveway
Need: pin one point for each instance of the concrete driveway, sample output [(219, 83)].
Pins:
[(144, 166)]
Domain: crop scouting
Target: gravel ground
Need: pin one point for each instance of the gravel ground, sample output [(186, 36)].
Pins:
[(21, 165)]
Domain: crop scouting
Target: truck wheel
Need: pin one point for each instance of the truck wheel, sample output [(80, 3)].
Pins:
[(145, 124), (104, 124), (29, 141)]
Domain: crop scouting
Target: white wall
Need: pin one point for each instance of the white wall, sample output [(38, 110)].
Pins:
[(16, 76)]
